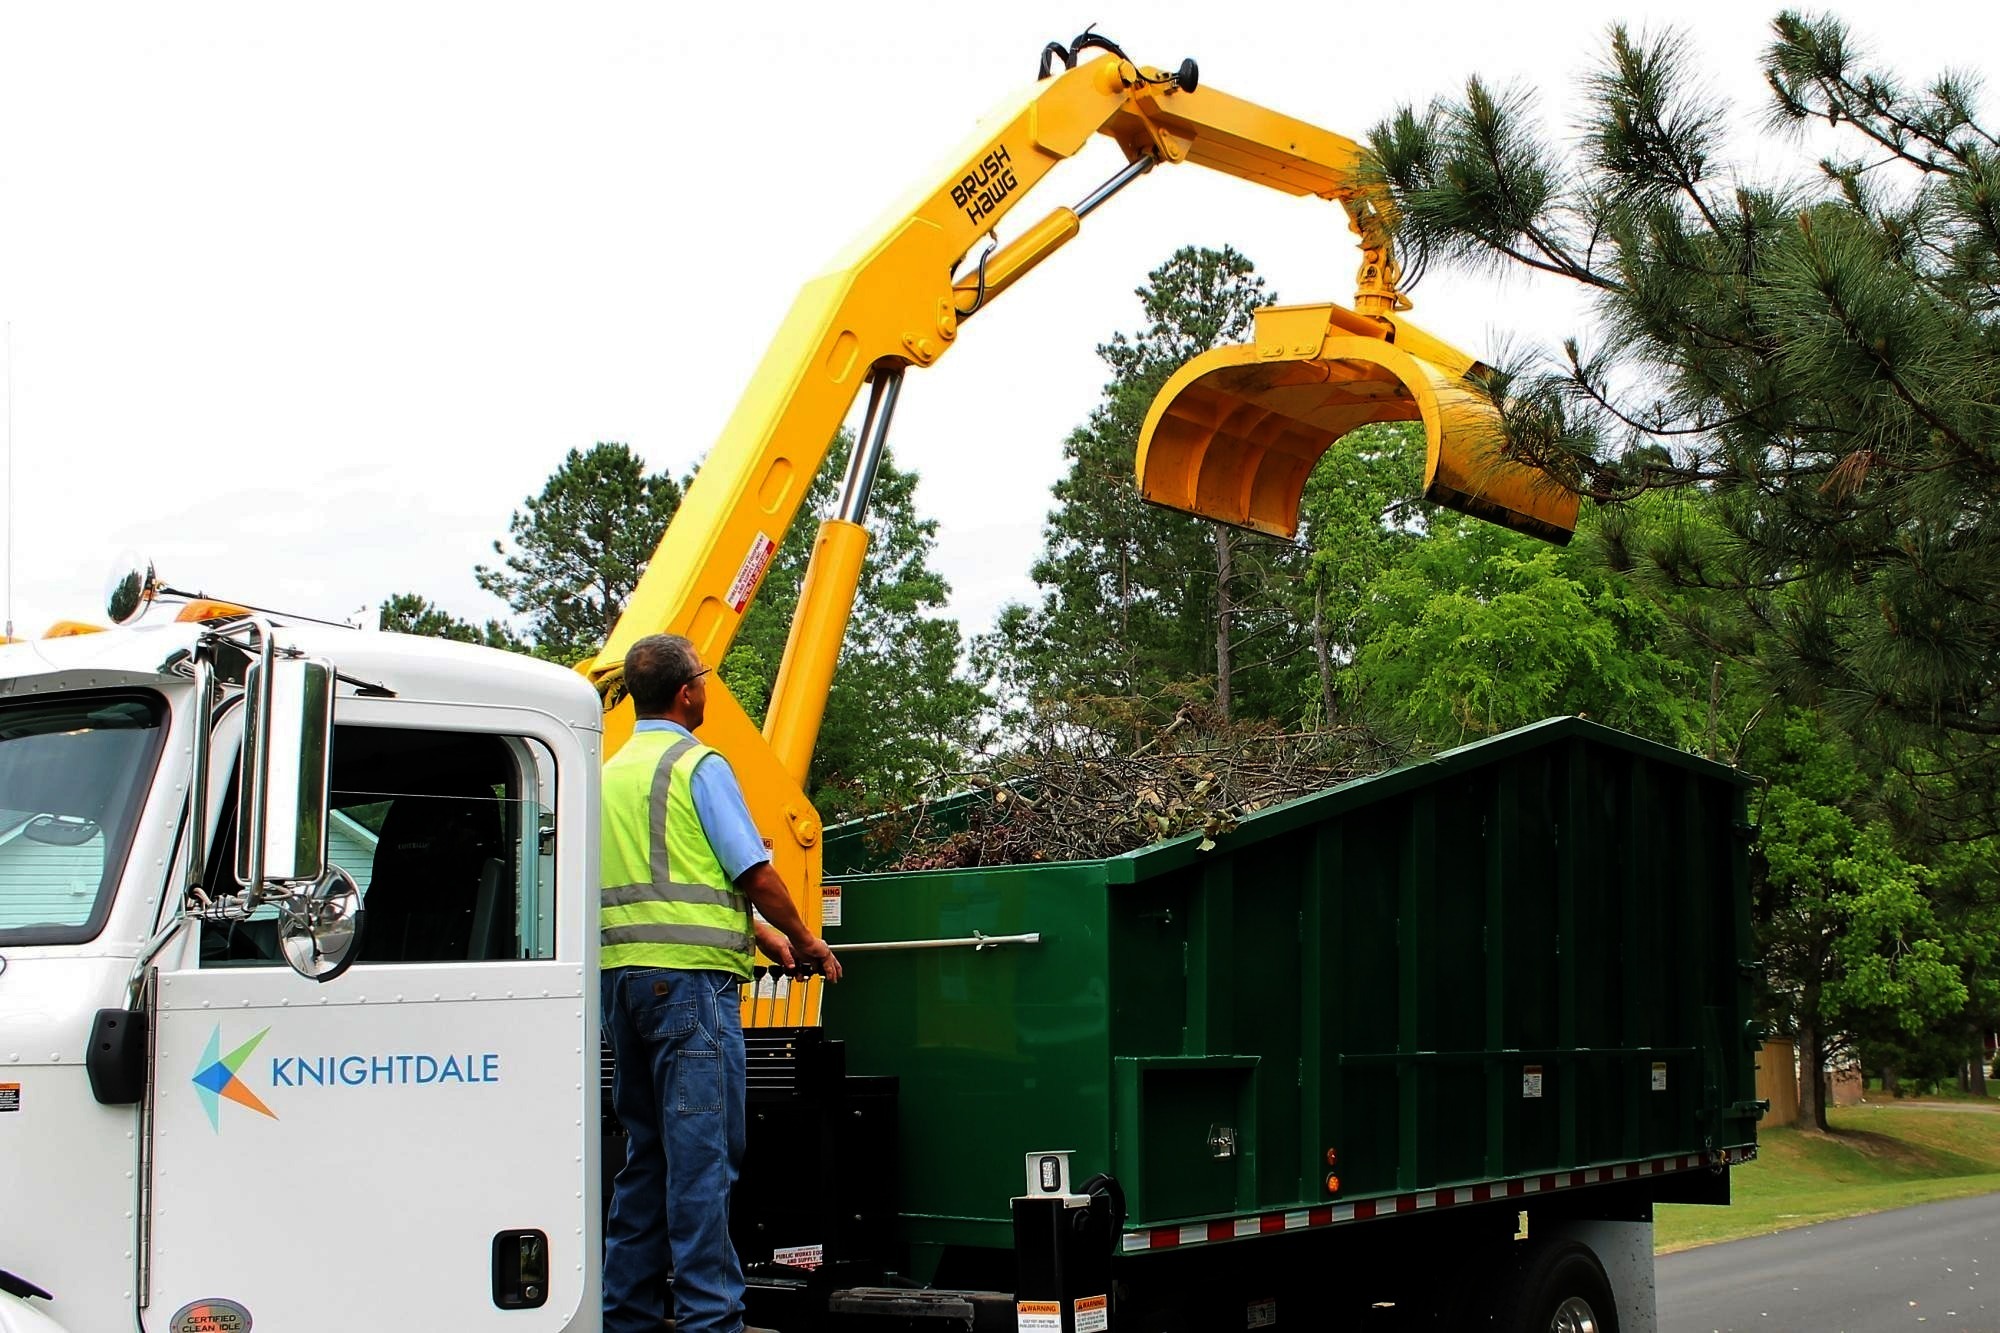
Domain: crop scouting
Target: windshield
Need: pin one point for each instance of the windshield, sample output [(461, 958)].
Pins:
[(73, 772)]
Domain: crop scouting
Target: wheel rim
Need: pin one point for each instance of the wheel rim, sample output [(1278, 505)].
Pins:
[(1573, 1316)]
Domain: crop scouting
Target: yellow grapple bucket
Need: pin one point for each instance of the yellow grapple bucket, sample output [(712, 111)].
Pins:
[(1236, 431)]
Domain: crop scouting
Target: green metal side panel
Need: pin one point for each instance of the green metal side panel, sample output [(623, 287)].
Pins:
[(1000, 1051), (1526, 956)]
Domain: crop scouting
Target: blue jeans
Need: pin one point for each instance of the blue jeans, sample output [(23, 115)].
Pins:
[(678, 1087)]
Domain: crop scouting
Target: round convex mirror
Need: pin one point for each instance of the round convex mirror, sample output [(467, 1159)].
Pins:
[(320, 930), (128, 588)]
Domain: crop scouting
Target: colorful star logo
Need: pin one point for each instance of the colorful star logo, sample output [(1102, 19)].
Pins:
[(215, 1078)]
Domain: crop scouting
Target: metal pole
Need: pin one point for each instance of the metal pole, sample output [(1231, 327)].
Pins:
[(204, 721), (135, 987), (147, 1111), (975, 941), (260, 740), (1134, 169), (861, 468)]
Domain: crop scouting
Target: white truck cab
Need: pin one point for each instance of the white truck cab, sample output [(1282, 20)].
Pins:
[(246, 1111)]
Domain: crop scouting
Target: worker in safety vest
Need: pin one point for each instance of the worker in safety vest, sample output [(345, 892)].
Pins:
[(682, 865)]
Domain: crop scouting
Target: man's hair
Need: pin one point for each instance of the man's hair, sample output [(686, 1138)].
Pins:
[(655, 669)]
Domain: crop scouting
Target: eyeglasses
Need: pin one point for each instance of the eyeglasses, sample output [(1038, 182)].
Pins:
[(692, 679)]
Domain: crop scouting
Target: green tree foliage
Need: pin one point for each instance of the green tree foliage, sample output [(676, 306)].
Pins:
[(1966, 891), (1818, 362), (1478, 630), (1359, 517), (1139, 602), (579, 547), (412, 613), (1445, 628), (1852, 940), (1822, 358), (900, 712)]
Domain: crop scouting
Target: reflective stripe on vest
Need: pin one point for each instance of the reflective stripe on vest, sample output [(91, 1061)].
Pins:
[(666, 900)]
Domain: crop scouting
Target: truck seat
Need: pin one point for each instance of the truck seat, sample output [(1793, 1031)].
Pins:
[(435, 893)]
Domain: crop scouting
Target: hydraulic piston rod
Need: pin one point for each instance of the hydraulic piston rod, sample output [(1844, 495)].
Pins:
[(1003, 268), (826, 600), (867, 460)]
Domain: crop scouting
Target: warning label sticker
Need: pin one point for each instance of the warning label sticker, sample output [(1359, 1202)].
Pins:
[(1037, 1317), (1093, 1314), (1531, 1080), (1659, 1078), (800, 1256), (829, 905), (1262, 1314), (744, 586), (10, 1096)]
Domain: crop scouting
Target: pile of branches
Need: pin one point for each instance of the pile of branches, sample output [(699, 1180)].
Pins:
[(1074, 796)]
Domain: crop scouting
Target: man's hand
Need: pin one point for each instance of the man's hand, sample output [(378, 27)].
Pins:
[(821, 956), (766, 892), (772, 943)]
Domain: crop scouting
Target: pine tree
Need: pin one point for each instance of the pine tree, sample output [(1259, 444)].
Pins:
[(1140, 603), (579, 547), (900, 712), (1823, 359), (1820, 364), (413, 613)]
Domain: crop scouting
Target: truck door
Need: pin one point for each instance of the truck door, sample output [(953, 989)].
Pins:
[(414, 1143)]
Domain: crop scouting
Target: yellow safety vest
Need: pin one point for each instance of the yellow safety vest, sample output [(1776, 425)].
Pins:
[(666, 901)]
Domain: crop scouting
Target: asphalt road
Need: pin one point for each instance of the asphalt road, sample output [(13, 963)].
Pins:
[(1935, 1267)]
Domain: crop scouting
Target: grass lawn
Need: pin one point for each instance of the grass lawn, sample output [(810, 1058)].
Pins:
[(1878, 1157)]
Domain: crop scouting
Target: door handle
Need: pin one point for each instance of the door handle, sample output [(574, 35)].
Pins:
[(520, 1270)]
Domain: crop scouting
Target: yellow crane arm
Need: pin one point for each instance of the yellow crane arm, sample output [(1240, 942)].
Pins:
[(889, 302)]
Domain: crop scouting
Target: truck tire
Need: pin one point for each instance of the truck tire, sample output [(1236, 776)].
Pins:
[(1556, 1287)]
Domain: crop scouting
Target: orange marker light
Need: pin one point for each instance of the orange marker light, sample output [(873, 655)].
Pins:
[(205, 608)]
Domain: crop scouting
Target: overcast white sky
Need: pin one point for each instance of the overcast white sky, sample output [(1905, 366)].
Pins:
[(306, 299)]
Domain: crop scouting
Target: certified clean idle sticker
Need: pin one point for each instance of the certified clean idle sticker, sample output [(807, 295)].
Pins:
[(214, 1315), (1531, 1080)]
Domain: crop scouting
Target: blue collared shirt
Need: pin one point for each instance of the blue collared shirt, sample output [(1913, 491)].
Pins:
[(725, 818)]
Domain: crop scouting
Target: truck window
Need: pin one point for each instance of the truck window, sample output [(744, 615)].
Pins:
[(74, 771), (451, 839)]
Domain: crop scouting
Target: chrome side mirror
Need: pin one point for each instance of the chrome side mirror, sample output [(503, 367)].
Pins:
[(282, 797), (320, 930), (129, 588)]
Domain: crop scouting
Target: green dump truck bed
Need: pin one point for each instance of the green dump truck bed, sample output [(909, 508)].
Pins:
[(1520, 967)]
